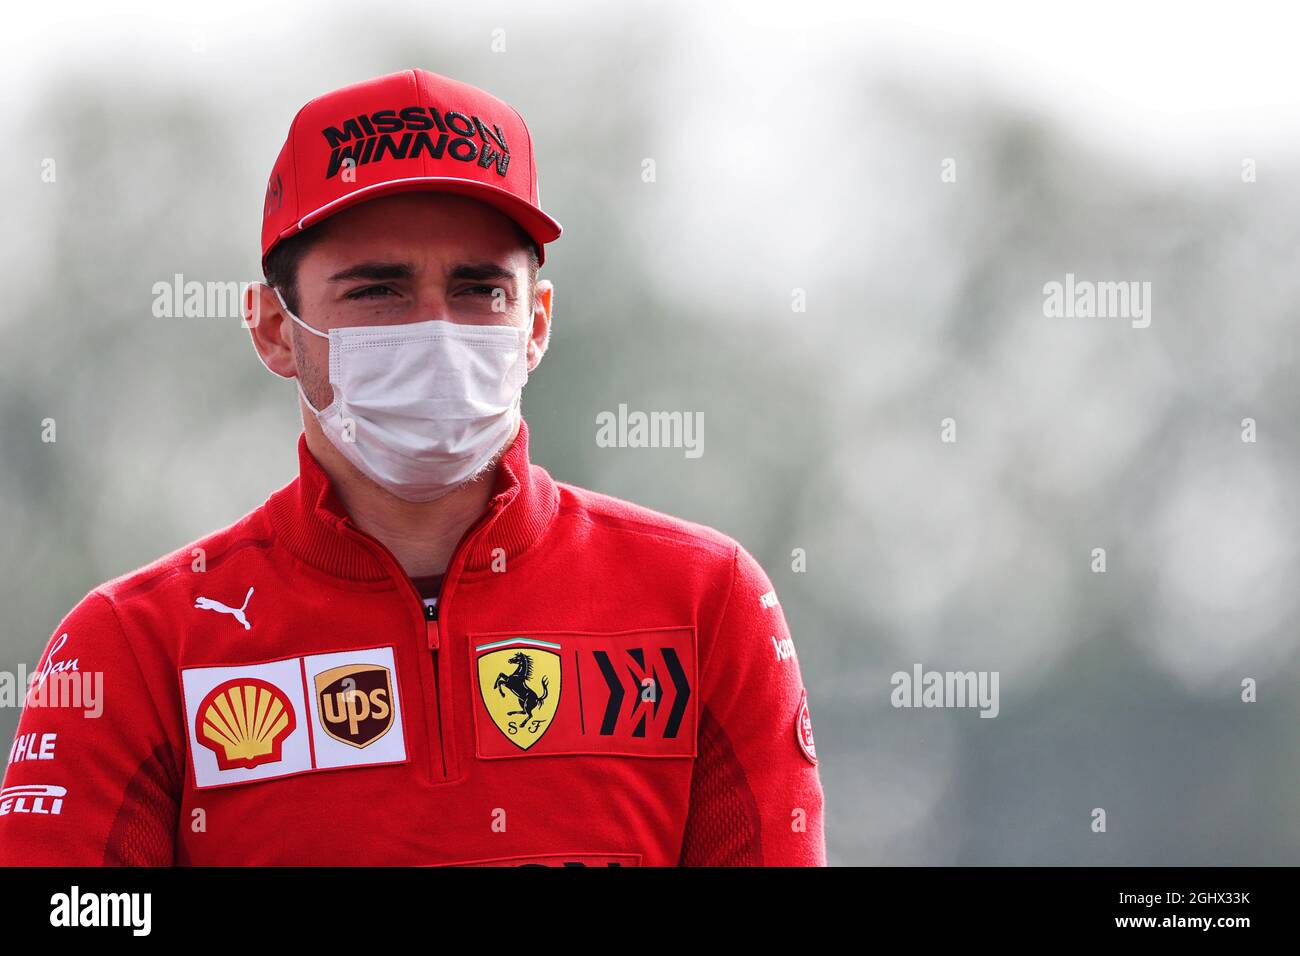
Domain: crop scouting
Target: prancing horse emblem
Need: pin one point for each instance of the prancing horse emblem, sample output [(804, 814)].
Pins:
[(519, 681)]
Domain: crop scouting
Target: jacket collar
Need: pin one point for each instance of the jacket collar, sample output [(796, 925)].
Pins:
[(310, 520)]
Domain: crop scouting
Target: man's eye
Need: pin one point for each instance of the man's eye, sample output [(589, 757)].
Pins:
[(370, 292), (484, 290)]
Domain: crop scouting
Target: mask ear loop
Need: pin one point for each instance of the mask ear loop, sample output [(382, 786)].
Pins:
[(524, 339), (324, 335), (289, 313)]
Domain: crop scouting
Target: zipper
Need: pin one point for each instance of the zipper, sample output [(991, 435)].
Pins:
[(432, 631), (434, 626)]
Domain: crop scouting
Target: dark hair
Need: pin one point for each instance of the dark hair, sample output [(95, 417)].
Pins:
[(280, 267)]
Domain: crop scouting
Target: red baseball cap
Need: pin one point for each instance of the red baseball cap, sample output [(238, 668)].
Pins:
[(413, 130)]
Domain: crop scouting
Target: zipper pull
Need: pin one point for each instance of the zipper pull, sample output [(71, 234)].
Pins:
[(431, 627)]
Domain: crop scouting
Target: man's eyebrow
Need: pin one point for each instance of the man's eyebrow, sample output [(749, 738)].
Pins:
[(376, 271), (381, 271), (480, 271)]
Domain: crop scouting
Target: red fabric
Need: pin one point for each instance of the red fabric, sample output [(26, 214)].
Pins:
[(704, 768)]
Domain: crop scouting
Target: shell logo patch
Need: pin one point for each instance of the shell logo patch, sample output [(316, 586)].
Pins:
[(519, 681), (244, 722), (251, 722)]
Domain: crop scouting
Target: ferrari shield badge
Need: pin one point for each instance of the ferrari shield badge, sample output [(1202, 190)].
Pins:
[(519, 680)]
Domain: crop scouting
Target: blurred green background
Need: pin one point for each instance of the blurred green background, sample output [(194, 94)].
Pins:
[(794, 149)]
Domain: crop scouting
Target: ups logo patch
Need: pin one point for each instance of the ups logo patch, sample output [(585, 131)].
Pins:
[(355, 703)]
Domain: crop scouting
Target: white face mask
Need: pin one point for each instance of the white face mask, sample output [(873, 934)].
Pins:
[(421, 408)]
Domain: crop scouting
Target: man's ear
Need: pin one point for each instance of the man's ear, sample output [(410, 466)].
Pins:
[(541, 334), (269, 326)]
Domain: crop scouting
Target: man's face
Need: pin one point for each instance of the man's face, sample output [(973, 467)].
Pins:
[(412, 257)]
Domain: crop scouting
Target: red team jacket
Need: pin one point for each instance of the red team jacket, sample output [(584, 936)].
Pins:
[(604, 686)]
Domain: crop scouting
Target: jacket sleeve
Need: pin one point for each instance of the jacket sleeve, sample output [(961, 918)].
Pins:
[(756, 797), (92, 777)]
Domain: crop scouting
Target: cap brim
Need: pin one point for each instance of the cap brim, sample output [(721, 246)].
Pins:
[(540, 227)]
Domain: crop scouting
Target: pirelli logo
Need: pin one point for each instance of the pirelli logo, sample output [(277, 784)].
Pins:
[(630, 693)]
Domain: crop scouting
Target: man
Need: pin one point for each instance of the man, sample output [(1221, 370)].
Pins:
[(424, 650)]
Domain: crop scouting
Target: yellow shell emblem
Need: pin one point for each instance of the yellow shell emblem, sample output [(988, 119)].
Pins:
[(244, 722)]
